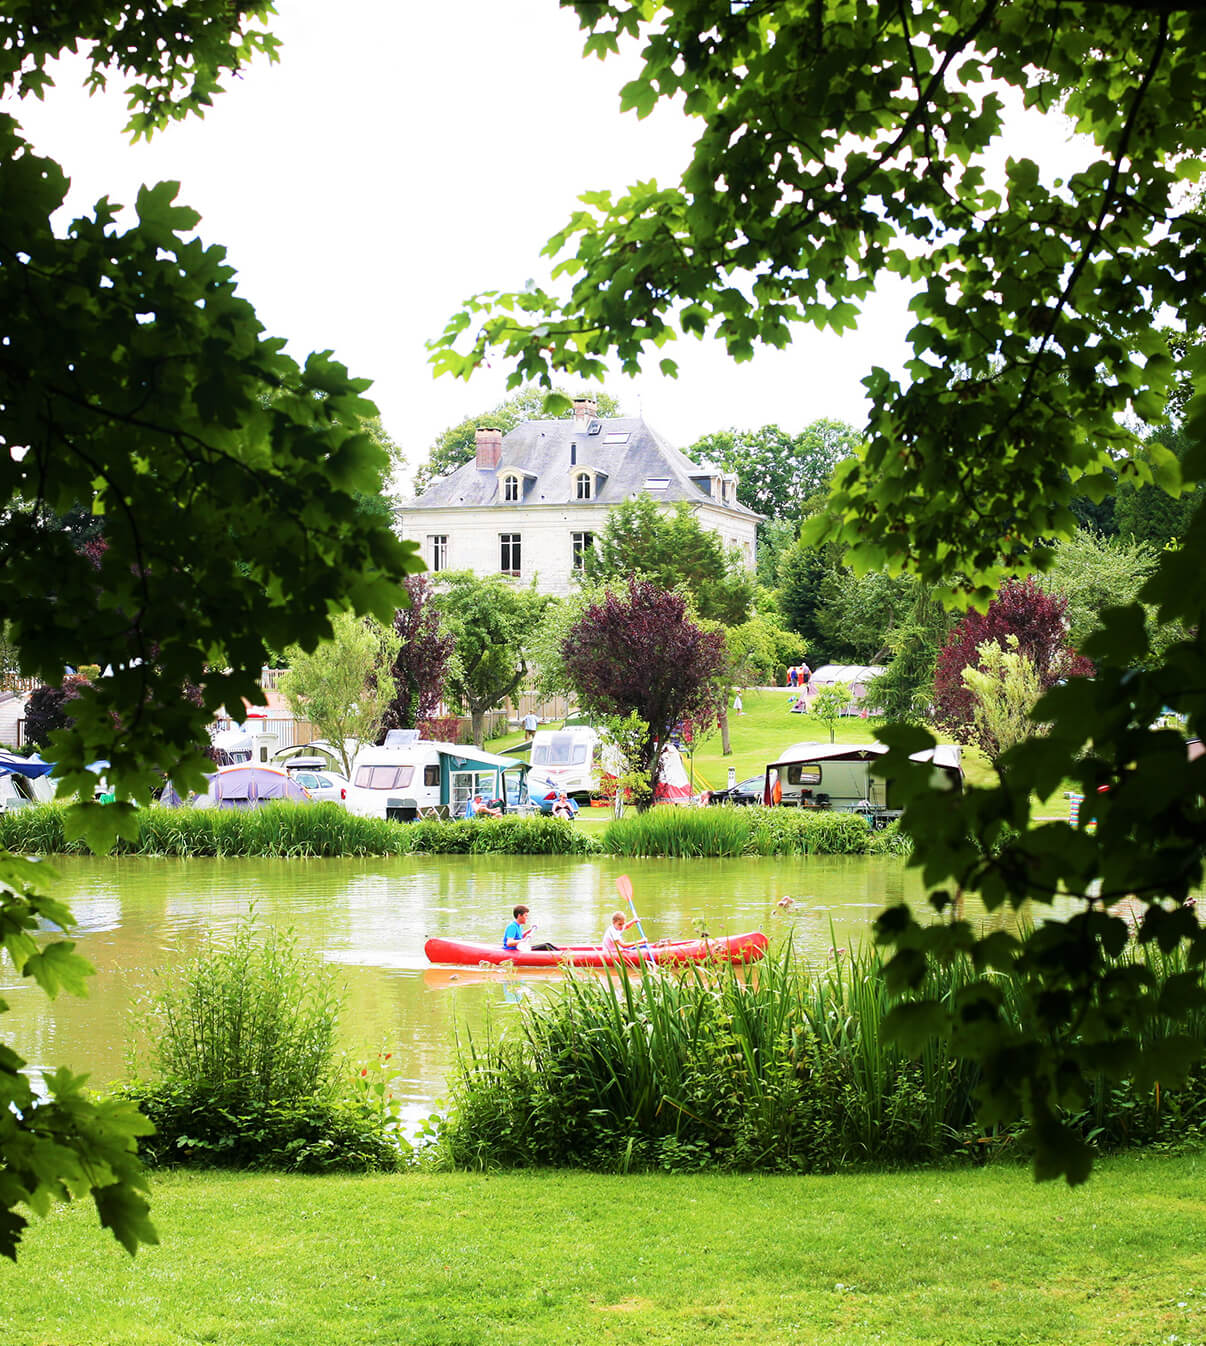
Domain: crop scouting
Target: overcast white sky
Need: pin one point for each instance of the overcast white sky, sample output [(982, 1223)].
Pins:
[(401, 157)]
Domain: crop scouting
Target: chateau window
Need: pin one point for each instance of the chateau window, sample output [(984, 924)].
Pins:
[(437, 550), (511, 488), (582, 486), (509, 553), (582, 543)]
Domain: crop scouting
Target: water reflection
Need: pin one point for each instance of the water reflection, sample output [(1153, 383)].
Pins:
[(140, 917)]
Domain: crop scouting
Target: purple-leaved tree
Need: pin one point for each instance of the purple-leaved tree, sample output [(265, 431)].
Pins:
[(1021, 609), (421, 667), (640, 651)]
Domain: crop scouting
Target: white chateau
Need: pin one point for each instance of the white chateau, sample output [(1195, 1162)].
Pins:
[(532, 501)]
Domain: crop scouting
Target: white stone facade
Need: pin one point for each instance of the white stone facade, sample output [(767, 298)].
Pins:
[(546, 489)]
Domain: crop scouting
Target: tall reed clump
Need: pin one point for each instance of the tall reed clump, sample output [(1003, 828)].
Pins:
[(773, 1068), (679, 832), (745, 831), (36, 829), (1121, 1113), (243, 1070)]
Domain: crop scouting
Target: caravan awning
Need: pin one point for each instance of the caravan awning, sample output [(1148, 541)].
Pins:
[(946, 755), (464, 757), (31, 767)]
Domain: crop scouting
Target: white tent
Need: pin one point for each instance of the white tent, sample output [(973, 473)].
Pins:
[(674, 785)]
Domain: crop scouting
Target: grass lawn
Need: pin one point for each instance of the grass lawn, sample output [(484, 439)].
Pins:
[(966, 1258)]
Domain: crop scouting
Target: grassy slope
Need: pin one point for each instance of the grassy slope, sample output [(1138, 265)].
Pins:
[(967, 1258)]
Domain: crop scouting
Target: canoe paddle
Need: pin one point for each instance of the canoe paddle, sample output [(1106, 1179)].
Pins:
[(624, 888)]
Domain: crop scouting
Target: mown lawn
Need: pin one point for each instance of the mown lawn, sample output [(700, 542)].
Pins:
[(965, 1258)]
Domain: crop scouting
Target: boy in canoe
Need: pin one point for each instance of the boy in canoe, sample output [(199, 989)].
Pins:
[(519, 930)]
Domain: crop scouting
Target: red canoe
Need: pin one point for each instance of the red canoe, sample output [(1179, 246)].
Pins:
[(747, 948)]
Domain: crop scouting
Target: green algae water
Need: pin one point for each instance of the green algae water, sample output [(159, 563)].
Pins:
[(139, 917)]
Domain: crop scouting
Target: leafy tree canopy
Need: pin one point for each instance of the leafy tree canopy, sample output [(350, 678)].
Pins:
[(802, 571), (458, 444), (839, 143), (1004, 688), (905, 691), (671, 549), (344, 686), (760, 646), (138, 388), (1144, 512), (777, 472), (858, 613), (1094, 573), (494, 623)]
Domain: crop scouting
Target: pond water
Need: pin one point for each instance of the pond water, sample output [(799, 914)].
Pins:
[(139, 917)]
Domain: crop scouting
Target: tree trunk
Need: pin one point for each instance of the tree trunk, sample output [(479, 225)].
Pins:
[(726, 748), (477, 719), (655, 774)]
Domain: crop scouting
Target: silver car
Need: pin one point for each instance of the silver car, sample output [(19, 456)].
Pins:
[(323, 786)]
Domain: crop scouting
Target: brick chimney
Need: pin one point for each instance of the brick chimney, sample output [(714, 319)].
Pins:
[(585, 408), (489, 447)]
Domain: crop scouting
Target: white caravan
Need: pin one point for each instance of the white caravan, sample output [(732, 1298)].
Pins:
[(573, 759), (408, 777)]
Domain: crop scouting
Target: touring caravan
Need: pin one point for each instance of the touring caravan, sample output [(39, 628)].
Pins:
[(408, 777), (839, 776), (572, 759)]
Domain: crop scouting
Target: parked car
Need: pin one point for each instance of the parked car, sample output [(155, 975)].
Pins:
[(322, 786), (744, 792)]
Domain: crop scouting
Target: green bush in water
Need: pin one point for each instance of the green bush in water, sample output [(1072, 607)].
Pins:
[(199, 1127), (243, 1070)]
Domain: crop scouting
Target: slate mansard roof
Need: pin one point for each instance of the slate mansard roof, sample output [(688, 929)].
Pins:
[(624, 453)]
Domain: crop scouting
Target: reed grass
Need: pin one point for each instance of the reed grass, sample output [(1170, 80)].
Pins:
[(242, 1070), (286, 830), (782, 1067), (254, 1015), (753, 830), (308, 830)]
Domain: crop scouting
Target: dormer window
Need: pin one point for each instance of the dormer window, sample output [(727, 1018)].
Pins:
[(511, 487), (583, 486)]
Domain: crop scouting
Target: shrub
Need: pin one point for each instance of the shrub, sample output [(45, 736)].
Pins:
[(199, 1127)]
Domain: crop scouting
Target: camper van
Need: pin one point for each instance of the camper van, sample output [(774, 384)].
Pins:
[(408, 777), (839, 776)]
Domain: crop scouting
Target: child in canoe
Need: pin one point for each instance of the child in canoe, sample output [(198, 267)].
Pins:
[(613, 941), (519, 931)]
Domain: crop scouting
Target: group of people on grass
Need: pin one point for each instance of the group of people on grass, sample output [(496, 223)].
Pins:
[(518, 933), (480, 807)]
